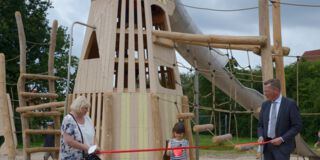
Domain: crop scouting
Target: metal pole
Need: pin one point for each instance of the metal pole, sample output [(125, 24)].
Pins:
[(196, 97), (69, 61)]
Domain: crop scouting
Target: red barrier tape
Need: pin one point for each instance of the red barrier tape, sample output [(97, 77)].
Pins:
[(253, 143), (163, 149)]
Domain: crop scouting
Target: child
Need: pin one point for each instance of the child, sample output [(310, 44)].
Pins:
[(178, 141), (49, 142), (318, 142)]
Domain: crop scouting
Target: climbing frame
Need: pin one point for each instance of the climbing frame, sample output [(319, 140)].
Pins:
[(27, 98)]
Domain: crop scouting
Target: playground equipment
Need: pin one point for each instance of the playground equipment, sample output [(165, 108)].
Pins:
[(128, 72), (121, 45), (219, 139), (27, 108), (122, 73), (7, 128), (213, 62)]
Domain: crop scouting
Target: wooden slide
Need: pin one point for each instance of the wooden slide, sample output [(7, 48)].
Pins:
[(214, 61)]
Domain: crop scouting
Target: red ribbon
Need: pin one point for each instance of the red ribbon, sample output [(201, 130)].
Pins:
[(253, 143), (163, 149)]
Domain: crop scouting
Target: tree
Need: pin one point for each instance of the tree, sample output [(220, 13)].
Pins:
[(37, 32), (307, 79)]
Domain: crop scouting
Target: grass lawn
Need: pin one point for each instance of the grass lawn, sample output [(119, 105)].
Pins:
[(228, 147), (224, 148)]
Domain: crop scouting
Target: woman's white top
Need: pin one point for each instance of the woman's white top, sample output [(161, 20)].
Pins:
[(87, 130)]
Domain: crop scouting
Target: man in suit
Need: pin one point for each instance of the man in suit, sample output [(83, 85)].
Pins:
[(279, 122)]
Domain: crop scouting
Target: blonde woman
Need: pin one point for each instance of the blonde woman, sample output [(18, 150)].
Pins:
[(77, 131)]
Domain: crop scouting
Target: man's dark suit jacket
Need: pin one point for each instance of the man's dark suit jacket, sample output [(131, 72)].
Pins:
[(288, 124)]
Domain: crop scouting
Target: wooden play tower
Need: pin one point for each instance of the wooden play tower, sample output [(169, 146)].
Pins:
[(132, 83), (128, 71)]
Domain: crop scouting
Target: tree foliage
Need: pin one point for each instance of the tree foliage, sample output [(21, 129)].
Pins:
[(307, 94), (308, 90), (37, 30)]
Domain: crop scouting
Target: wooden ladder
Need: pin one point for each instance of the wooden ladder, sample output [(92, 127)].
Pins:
[(28, 110)]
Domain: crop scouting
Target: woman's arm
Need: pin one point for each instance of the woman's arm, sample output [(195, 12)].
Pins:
[(73, 143)]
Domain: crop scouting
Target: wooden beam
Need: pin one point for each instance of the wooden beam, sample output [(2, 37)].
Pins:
[(158, 139), (202, 128), (41, 114), (13, 127), (22, 42), (254, 48), (38, 77), (285, 51), (107, 124), (277, 40), (4, 109), (39, 131), (60, 109), (52, 47), (176, 36), (185, 115), (187, 124), (38, 95), (221, 138), (42, 149), (40, 106), (266, 55)]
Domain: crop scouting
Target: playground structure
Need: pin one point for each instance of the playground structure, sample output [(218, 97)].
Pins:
[(31, 101), (7, 127), (128, 72)]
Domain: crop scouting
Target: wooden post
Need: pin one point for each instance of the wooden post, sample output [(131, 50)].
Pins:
[(213, 85), (219, 123), (52, 82), (277, 40), (266, 56), (196, 98), (5, 114), (251, 124), (158, 139), (21, 82), (22, 42), (187, 124), (107, 119), (70, 100), (13, 127), (51, 55)]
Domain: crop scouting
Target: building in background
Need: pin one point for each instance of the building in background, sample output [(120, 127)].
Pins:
[(311, 56)]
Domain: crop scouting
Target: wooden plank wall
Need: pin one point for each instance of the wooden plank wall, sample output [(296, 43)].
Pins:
[(97, 75), (126, 121), (121, 48), (142, 75), (131, 58), (93, 74)]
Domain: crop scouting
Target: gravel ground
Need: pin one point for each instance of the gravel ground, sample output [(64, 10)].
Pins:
[(203, 156)]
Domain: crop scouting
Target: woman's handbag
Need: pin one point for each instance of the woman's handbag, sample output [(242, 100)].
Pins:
[(92, 153), (92, 156), (165, 156)]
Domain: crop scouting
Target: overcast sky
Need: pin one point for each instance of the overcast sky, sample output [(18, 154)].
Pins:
[(300, 25)]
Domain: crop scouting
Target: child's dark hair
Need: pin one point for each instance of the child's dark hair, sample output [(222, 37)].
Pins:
[(179, 128)]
